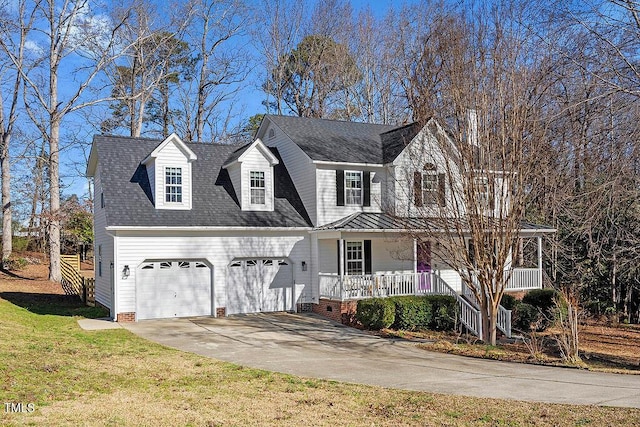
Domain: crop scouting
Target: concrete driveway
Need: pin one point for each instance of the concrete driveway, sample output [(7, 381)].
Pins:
[(312, 346)]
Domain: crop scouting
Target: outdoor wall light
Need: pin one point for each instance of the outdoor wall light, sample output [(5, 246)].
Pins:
[(304, 266), (125, 272)]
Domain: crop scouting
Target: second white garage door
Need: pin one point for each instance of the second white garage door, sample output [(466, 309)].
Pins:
[(258, 285), (173, 288)]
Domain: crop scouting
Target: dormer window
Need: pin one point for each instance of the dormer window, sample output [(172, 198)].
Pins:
[(257, 188), (173, 185)]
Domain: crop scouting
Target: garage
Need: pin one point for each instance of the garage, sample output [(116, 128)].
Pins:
[(173, 288), (258, 285)]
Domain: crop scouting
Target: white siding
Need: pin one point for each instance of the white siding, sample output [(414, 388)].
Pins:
[(218, 248), (254, 160), (234, 175), (299, 166), (172, 156), (423, 149), (328, 210), (151, 173), (105, 242)]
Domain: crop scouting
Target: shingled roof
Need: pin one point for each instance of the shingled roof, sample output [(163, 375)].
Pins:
[(128, 196), (334, 140)]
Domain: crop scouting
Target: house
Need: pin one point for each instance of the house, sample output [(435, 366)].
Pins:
[(312, 215)]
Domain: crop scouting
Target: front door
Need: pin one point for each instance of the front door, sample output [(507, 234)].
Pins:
[(424, 265)]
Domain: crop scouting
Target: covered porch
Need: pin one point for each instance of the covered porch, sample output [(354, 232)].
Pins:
[(367, 257)]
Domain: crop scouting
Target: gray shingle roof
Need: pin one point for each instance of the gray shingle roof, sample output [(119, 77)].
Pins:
[(334, 140), (128, 200)]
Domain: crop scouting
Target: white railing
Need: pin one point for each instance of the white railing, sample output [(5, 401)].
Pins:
[(387, 285), (524, 279), (504, 315), (330, 286)]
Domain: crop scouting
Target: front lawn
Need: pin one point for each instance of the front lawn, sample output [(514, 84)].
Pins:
[(76, 377)]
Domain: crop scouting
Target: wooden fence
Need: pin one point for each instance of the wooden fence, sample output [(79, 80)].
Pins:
[(75, 283)]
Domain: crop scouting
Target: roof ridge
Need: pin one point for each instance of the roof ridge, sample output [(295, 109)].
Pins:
[(329, 120)]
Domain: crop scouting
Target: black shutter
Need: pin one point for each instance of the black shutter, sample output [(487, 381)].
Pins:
[(367, 257), (366, 188), (441, 190), (417, 188), (340, 187)]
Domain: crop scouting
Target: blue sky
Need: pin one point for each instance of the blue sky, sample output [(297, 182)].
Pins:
[(83, 126)]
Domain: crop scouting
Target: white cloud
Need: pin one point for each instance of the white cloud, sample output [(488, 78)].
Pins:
[(33, 47)]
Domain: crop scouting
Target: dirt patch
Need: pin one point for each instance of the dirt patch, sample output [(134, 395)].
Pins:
[(33, 278)]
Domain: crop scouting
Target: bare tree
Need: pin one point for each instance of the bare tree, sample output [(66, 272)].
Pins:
[(13, 78), (469, 181), (281, 31), (70, 33), (219, 68)]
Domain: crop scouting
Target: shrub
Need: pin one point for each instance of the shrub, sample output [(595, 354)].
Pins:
[(523, 316), (376, 313), (411, 313), (509, 301), (19, 243), (544, 299), (444, 311)]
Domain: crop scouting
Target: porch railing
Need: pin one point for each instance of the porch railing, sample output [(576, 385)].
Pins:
[(387, 285), (504, 316), (523, 279)]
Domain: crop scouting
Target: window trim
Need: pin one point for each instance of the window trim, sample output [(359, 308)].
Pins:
[(433, 192), (361, 260), (347, 189), (253, 188), (168, 194)]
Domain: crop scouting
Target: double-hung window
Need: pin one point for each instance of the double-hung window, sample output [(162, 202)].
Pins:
[(257, 188), (173, 185), (353, 188), (355, 258), (429, 188)]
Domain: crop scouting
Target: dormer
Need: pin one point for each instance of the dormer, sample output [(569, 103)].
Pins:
[(252, 175), (169, 170)]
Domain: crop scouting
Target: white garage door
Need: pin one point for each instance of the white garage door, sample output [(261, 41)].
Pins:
[(171, 288), (258, 285)]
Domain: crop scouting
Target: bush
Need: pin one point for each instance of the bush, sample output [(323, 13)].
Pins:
[(444, 311), (544, 299), (411, 313), (523, 316), (376, 313), (19, 243), (509, 301)]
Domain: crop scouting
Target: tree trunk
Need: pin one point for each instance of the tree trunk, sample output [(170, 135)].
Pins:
[(55, 273), (7, 232)]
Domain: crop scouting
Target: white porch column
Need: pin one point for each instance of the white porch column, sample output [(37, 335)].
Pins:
[(540, 260), (341, 267), (415, 255)]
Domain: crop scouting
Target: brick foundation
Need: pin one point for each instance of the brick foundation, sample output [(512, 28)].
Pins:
[(338, 311), (221, 311), (126, 317)]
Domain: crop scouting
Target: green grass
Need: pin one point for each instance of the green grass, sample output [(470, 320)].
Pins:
[(77, 377)]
